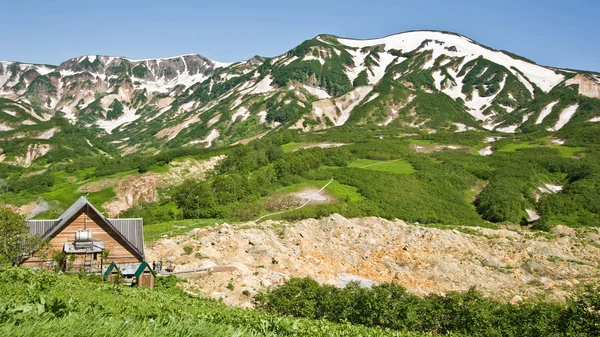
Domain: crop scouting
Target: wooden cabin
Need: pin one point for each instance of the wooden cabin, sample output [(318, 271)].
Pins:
[(132, 274), (113, 274), (85, 237), (144, 276)]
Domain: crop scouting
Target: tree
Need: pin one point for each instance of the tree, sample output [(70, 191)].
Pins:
[(15, 238), (196, 200)]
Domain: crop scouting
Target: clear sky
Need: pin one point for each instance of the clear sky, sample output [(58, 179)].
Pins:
[(556, 33)]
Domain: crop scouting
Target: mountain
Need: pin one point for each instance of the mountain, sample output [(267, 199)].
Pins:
[(419, 81)]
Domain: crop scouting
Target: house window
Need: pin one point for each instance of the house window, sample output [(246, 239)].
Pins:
[(95, 256)]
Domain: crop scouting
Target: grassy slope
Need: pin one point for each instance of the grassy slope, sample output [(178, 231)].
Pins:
[(48, 304), (377, 173), (175, 227), (394, 166)]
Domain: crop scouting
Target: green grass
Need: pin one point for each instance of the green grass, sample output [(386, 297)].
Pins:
[(568, 151), (565, 151), (512, 147), (102, 196), (47, 304), (421, 142), (175, 227), (393, 166), (292, 146)]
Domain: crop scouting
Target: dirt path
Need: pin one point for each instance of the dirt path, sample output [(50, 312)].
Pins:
[(311, 197), (381, 162)]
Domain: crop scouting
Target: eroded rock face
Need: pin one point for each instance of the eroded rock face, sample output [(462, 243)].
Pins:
[(34, 151), (505, 262), (142, 188), (587, 87)]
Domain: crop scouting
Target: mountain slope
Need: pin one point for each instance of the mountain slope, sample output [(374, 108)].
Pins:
[(423, 81)]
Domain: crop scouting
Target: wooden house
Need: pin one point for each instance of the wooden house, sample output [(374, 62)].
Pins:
[(113, 274), (133, 274), (85, 237), (144, 276)]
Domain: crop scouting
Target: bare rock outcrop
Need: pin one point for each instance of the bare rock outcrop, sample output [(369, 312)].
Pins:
[(334, 250)]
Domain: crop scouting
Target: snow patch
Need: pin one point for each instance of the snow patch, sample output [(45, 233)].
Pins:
[(310, 57), (492, 139), (214, 134), (565, 117), (394, 114), (357, 95), (525, 82), (187, 106), (477, 103), (532, 215), (508, 129), (378, 71), (263, 117), (486, 151), (290, 60), (594, 119), (214, 120), (4, 127), (358, 58), (242, 112), (47, 134), (545, 112), (127, 117), (264, 86), (460, 127), (438, 77), (375, 95), (320, 93), (10, 112), (550, 188)]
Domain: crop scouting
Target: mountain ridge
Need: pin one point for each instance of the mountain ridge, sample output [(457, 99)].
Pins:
[(422, 80)]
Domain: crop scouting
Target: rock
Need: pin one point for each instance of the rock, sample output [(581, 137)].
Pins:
[(490, 261), (516, 300), (335, 250), (561, 230), (533, 267)]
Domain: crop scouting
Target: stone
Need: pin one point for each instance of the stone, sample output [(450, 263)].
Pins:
[(516, 300), (561, 230), (490, 261)]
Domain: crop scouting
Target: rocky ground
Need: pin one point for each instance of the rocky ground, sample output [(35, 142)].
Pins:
[(511, 262)]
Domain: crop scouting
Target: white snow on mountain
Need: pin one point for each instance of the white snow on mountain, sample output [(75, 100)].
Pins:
[(544, 78), (320, 93), (565, 117), (545, 112)]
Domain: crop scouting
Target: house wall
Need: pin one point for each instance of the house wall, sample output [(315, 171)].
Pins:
[(146, 279), (118, 251)]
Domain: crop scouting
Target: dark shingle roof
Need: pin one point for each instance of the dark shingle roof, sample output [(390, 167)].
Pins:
[(130, 230)]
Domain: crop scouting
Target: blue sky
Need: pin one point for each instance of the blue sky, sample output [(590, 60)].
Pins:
[(556, 33)]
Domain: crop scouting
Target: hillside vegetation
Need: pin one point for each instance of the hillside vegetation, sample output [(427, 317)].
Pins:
[(436, 179), (35, 302), (48, 304)]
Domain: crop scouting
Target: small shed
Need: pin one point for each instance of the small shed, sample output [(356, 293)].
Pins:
[(144, 276), (113, 274)]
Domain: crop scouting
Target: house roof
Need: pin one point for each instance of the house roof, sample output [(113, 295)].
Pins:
[(110, 269), (130, 230), (141, 269)]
